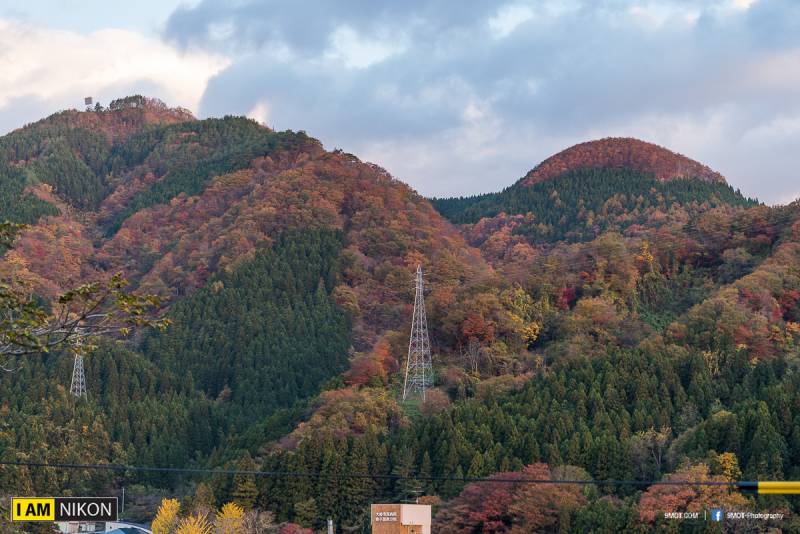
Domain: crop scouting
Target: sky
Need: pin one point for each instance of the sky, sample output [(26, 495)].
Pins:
[(454, 98)]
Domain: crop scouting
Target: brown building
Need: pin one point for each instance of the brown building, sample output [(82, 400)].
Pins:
[(401, 519)]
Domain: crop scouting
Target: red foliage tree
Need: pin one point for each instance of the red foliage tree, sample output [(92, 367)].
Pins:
[(565, 298), (475, 326), (292, 528), (504, 505)]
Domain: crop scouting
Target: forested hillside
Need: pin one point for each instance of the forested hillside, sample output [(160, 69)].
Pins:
[(264, 335), (281, 264), (584, 203), (620, 319), (241, 355)]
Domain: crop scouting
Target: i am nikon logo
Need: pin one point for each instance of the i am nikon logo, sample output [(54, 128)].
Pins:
[(33, 509), (63, 508)]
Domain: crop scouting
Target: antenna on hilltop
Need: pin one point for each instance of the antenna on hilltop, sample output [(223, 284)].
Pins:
[(419, 370), (78, 386)]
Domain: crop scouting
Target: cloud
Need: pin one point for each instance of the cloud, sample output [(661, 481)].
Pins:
[(259, 113), (45, 70)]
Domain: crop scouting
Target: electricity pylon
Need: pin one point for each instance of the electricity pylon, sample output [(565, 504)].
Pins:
[(419, 370), (78, 386)]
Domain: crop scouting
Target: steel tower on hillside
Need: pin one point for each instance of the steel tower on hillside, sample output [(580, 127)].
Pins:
[(419, 370), (78, 385)]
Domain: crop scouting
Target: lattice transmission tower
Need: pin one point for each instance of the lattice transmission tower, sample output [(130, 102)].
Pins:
[(78, 385), (419, 370)]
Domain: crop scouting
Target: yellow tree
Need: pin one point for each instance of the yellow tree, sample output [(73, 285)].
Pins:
[(729, 465), (194, 524), (167, 517)]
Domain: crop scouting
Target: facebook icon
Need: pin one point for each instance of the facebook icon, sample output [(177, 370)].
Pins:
[(717, 514)]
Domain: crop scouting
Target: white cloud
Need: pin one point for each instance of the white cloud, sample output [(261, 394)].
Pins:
[(653, 15), (260, 112), (58, 67), (775, 130), (508, 18), (357, 52), (742, 4)]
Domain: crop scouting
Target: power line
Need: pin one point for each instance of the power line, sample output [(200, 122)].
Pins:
[(377, 476)]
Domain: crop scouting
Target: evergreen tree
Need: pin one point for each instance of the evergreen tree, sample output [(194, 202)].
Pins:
[(245, 491), (306, 512), (407, 487), (329, 492), (204, 500), (357, 490)]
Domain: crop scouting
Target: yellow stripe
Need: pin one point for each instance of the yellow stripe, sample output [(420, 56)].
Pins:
[(33, 509), (779, 488)]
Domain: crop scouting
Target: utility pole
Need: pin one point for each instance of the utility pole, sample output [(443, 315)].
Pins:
[(78, 386), (419, 369)]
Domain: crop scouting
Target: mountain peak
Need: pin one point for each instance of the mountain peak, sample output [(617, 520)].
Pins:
[(122, 117), (622, 152)]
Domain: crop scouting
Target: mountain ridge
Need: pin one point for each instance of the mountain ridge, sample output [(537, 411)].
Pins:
[(177, 202), (123, 117)]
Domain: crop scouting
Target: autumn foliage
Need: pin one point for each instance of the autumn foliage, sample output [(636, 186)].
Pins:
[(502, 505), (617, 152), (690, 498)]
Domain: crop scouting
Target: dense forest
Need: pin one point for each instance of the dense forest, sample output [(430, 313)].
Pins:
[(628, 415), (265, 335), (582, 204), (241, 356), (17, 204), (602, 324)]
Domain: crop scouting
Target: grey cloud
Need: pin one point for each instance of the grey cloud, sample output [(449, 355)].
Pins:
[(592, 69), (306, 26), (325, 102), (774, 23)]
